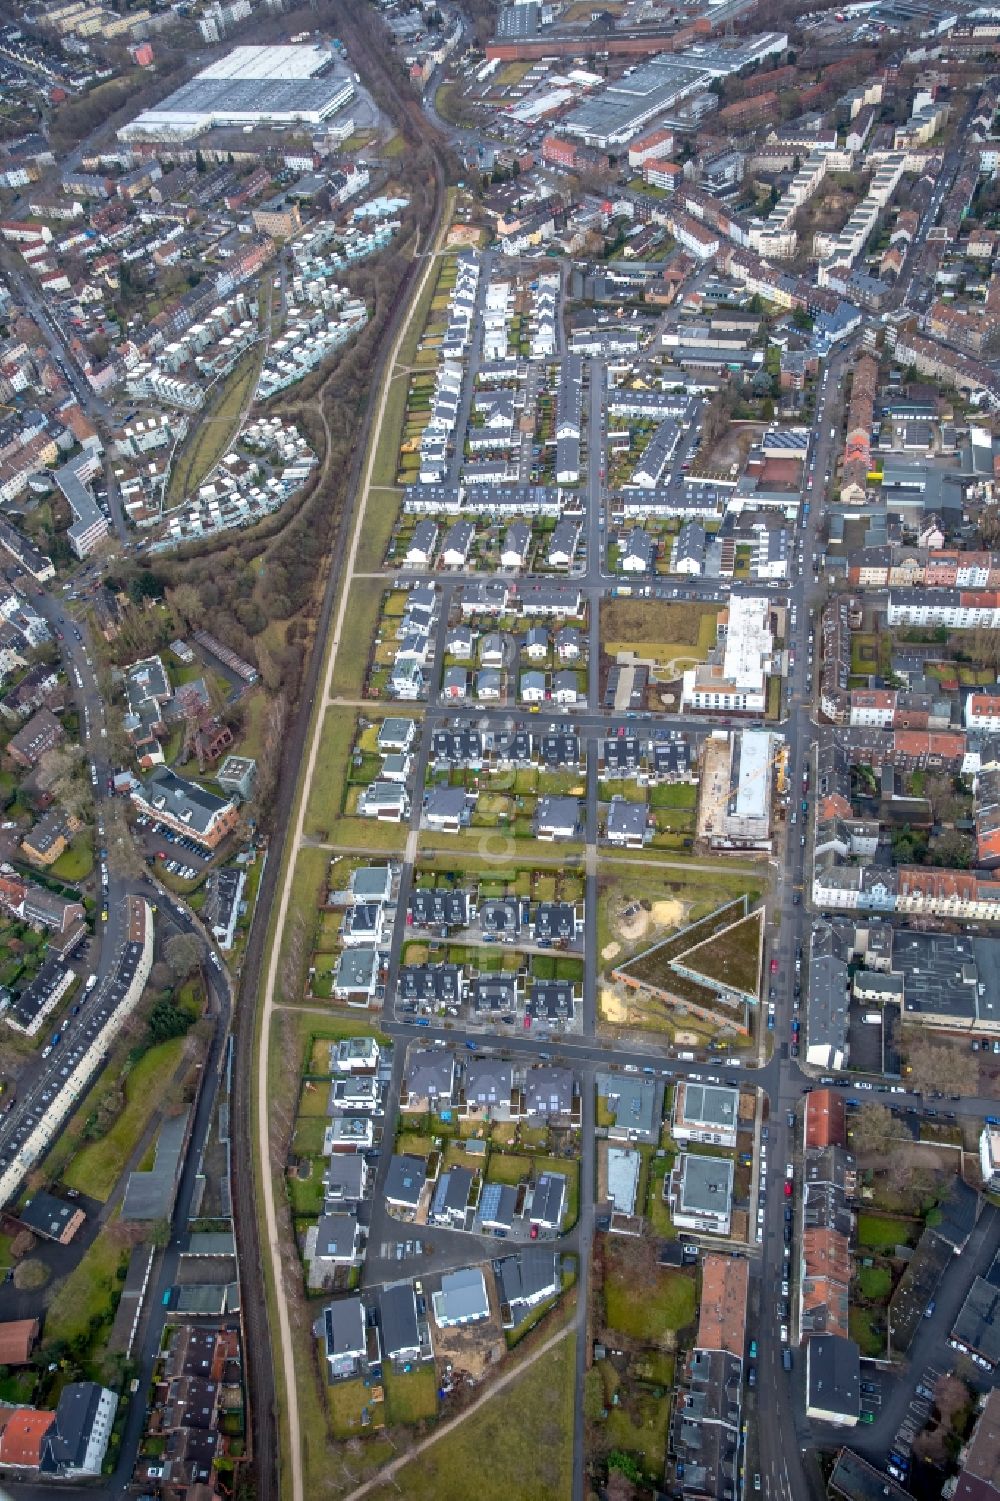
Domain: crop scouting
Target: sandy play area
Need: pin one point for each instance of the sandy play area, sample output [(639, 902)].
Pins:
[(669, 913), (612, 1007)]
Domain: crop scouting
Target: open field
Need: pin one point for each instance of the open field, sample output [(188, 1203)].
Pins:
[(297, 940), (642, 1300), (327, 795), (90, 1291), (387, 452), (657, 629), (538, 1409), (97, 1167), (383, 507), (363, 609)]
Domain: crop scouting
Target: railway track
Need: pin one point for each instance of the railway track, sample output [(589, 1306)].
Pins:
[(260, 1377)]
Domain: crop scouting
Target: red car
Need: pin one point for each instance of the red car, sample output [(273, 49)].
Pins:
[(788, 1189), (774, 966)]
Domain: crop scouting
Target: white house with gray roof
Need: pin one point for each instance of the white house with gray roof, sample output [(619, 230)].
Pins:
[(700, 1192), (707, 1113), (462, 1298)]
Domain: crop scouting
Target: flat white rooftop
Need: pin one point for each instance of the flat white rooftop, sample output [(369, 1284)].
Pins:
[(753, 787), (749, 643), (268, 62)]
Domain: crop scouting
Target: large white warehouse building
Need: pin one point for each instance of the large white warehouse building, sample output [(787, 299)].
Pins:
[(250, 86)]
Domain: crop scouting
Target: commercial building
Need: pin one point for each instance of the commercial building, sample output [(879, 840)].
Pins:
[(614, 116), (255, 86)]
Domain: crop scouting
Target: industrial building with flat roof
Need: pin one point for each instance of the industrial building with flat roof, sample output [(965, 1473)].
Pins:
[(250, 86), (614, 116)]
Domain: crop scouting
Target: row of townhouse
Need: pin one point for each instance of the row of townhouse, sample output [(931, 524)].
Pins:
[(906, 890), (495, 502), (547, 599), (969, 376), (507, 918), (499, 649), (440, 429), (833, 1359), (888, 709), (957, 609), (569, 420), (414, 632), (898, 567), (444, 987), (355, 1110), (556, 749), (544, 315)]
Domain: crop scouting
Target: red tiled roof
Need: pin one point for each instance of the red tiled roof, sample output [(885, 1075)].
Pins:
[(826, 1119), (21, 1440)]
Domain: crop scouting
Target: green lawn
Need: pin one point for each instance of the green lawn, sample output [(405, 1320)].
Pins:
[(665, 1307), (305, 1195), (352, 656), (882, 1231), (98, 1165), (410, 1396), (508, 1168), (89, 1292), (76, 862), (308, 1138), (538, 1466), (326, 799), (875, 1282), (679, 795), (346, 1399)]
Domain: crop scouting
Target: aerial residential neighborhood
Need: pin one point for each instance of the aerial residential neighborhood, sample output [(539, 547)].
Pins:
[(500, 750)]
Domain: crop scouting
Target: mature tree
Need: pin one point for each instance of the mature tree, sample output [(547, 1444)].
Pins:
[(873, 1130), (944, 798), (951, 849), (937, 1065), (182, 955), (22, 1245), (30, 1276), (63, 772)]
